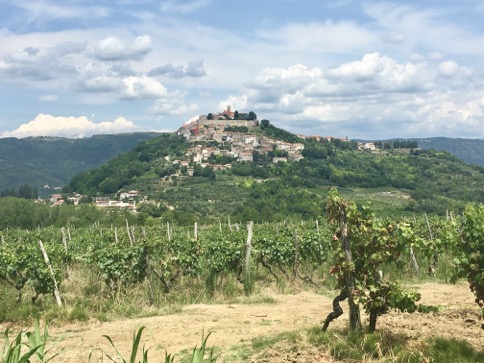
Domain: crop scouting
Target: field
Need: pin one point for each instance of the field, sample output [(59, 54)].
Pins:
[(261, 293), (271, 331)]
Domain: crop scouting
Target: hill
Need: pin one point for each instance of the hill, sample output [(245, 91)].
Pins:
[(257, 176), (39, 161), (469, 150)]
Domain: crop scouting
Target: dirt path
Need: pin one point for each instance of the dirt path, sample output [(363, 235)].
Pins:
[(231, 324)]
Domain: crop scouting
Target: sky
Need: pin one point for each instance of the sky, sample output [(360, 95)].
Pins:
[(361, 69)]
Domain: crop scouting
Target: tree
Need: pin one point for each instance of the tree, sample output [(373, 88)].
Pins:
[(25, 191), (264, 124), (210, 116), (208, 173), (251, 116), (236, 115)]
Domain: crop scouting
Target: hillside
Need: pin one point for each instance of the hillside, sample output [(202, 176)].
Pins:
[(206, 180), (38, 161), (469, 150)]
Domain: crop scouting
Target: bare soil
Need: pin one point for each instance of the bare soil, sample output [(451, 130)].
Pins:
[(237, 324)]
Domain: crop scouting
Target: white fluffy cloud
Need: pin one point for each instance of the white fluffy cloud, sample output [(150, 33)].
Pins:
[(142, 88), (371, 96), (72, 127)]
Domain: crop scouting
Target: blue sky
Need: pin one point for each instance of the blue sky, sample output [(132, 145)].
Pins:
[(362, 69)]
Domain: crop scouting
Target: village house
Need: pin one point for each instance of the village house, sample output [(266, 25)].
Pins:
[(55, 197), (128, 195), (246, 156), (105, 202), (276, 159), (369, 146)]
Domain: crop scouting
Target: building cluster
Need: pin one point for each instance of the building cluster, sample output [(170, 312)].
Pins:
[(242, 147), (58, 199), (236, 144), (123, 200)]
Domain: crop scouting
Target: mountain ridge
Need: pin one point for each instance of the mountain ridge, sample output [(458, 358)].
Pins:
[(48, 160)]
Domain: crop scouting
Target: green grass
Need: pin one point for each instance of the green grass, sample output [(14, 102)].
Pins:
[(383, 200), (385, 346), (452, 351)]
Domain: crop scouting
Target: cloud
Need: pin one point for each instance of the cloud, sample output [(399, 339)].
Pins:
[(142, 88), (103, 76), (194, 69), (375, 71), (173, 103), (72, 127), (40, 63), (168, 107), (235, 102), (428, 28), (374, 95), (328, 36), (42, 11), (449, 68), (114, 49)]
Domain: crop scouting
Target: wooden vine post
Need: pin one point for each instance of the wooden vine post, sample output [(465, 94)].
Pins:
[(296, 254), (248, 248), (58, 298), (129, 233), (64, 238), (435, 261)]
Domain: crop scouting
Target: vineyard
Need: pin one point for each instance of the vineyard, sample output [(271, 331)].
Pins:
[(88, 271)]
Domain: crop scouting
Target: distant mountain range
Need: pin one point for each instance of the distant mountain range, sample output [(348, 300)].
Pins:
[(52, 161)]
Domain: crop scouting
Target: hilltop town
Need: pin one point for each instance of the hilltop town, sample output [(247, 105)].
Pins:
[(233, 135), (216, 140)]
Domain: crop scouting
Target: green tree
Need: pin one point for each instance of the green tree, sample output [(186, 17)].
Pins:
[(27, 192), (251, 116), (264, 124)]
